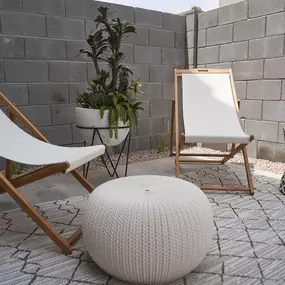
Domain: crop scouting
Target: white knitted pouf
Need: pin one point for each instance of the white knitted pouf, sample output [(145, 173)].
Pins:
[(148, 229)]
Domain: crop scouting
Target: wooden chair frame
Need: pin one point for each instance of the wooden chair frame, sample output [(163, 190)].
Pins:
[(180, 138), (8, 185)]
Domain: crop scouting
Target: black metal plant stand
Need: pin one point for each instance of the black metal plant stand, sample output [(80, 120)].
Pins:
[(113, 170)]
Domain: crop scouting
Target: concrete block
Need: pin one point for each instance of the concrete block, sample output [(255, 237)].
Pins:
[(72, 51), (174, 22), (161, 38), (240, 87), (264, 89), (125, 13), (147, 54), (48, 94), (63, 114), (58, 135), (190, 20), (234, 51), (140, 143), (281, 133), (74, 89), (141, 37), (208, 55), (265, 151), (2, 72), (251, 109), (279, 152), (2, 163), (266, 47), (160, 107), (76, 136), (16, 93), (65, 28), (145, 112), (274, 68), (271, 151), (201, 38), (252, 149), (190, 56), (259, 8), (12, 47), (90, 27), (154, 143), (148, 18), (265, 131), (247, 70), (45, 49), (128, 51), (283, 91), (250, 29), (16, 71), (67, 71), (14, 5), (168, 90), (220, 35), (86, 10), (50, 7), (151, 90), (38, 115), (190, 39), (143, 127), (91, 69), (219, 65), (275, 24), (157, 126), (140, 70), (180, 40), (15, 23), (161, 73), (208, 19), (273, 111), (233, 13), (173, 56)]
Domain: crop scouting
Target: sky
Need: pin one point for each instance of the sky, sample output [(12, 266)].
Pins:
[(170, 6)]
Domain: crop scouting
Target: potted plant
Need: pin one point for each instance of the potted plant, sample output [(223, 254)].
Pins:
[(109, 101)]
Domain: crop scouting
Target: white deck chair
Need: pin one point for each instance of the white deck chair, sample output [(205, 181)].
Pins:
[(17, 145), (210, 115)]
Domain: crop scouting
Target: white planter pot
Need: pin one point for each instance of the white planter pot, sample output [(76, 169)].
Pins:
[(90, 118)]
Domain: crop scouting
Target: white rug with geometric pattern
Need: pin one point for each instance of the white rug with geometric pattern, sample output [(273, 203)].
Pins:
[(248, 245)]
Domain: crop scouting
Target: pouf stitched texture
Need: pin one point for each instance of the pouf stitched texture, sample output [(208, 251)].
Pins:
[(148, 229)]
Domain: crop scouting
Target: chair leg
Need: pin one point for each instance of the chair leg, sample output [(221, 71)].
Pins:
[(177, 154), (172, 127), (82, 181), (36, 217), (248, 172)]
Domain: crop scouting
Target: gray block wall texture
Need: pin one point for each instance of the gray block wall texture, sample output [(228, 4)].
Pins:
[(41, 73), (249, 38)]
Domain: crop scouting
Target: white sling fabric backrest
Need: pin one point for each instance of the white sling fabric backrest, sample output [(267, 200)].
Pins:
[(17, 145), (209, 111)]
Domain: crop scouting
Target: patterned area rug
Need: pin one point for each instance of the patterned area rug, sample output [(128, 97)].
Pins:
[(248, 243)]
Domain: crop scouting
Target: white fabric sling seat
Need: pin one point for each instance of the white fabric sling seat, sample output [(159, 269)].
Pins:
[(209, 110), (19, 146), (210, 115)]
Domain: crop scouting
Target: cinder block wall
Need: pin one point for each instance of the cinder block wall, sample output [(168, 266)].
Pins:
[(249, 38), (41, 72)]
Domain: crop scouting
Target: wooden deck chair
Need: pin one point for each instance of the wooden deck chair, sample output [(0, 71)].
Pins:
[(210, 115), (17, 145)]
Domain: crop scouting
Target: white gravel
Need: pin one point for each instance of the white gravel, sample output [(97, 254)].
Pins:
[(148, 155)]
